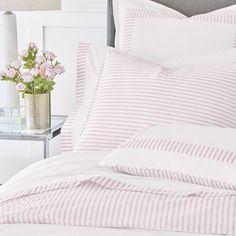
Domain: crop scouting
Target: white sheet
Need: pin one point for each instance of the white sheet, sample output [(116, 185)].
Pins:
[(53, 230), (79, 164)]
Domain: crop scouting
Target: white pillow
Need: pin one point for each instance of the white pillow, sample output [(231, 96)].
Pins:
[(216, 58), (132, 94), (158, 33), (195, 154)]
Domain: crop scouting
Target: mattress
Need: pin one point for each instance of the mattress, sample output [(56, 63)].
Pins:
[(67, 166)]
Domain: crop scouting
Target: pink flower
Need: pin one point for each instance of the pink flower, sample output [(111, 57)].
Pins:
[(46, 70), (50, 73), (16, 65), (42, 70), (35, 72), (32, 45), (20, 87), (40, 59), (59, 69), (11, 73), (24, 54), (27, 77), (49, 55)]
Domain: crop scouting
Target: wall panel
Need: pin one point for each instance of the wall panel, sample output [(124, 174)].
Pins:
[(80, 20)]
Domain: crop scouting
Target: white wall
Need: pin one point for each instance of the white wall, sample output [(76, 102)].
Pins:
[(79, 21)]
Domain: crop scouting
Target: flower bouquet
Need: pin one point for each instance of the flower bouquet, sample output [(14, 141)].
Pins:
[(34, 75)]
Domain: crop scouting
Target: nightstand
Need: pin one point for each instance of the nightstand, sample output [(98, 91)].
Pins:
[(13, 132)]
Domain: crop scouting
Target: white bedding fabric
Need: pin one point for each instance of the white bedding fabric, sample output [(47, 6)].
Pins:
[(79, 164), (147, 29), (175, 151), (54, 230)]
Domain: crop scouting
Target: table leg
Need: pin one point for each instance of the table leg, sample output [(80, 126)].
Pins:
[(46, 148)]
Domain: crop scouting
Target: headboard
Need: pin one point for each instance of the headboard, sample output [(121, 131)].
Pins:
[(187, 7)]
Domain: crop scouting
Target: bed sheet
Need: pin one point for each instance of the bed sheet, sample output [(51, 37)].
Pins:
[(68, 166), (54, 230)]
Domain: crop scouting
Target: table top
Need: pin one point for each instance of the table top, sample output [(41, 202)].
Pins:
[(10, 131)]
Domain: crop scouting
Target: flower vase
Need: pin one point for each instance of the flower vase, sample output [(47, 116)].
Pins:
[(37, 111)]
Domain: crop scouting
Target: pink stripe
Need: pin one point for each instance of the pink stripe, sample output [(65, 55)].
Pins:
[(103, 202), (135, 13), (189, 149), (133, 94), (68, 127), (166, 174)]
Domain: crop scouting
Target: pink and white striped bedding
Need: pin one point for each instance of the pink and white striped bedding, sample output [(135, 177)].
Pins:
[(132, 94), (104, 202), (158, 33), (89, 62), (189, 153), (65, 191), (87, 76)]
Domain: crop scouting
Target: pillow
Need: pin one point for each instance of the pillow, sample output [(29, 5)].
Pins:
[(216, 58), (89, 62), (89, 66), (158, 33), (132, 94), (189, 153)]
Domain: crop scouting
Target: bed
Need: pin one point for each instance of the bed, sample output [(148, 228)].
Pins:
[(58, 169), (41, 199)]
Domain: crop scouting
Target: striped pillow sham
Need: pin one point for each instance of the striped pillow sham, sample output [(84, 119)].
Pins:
[(158, 33), (132, 94), (195, 154), (86, 80), (89, 66)]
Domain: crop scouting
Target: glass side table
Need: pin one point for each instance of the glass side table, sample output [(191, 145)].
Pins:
[(13, 132)]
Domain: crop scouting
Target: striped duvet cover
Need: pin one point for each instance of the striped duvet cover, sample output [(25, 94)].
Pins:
[(93, 196)]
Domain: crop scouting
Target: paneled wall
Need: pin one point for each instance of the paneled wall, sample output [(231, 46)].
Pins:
[(59, 31)]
